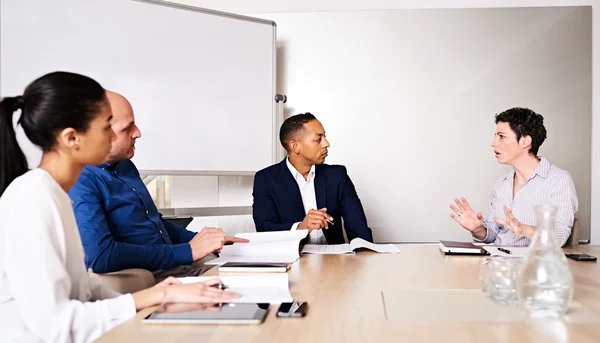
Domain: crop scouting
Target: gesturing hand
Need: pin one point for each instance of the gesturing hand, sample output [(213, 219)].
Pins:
[(511, 223), (465, 216)]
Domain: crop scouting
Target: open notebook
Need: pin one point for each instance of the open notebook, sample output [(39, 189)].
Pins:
[(264, 247), (355, 244)]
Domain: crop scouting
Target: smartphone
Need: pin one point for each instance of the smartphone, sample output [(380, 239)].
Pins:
[(581, 257), (292, 310)]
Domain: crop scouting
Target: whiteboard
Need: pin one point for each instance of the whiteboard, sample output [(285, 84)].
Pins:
[(202, 83), (408, 98)]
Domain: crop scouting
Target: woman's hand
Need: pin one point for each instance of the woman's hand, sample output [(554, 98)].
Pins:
[(467, 218), (172, 290), (514, 225), (198, 292)]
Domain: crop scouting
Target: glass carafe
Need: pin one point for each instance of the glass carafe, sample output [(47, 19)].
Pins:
[(545, 283)]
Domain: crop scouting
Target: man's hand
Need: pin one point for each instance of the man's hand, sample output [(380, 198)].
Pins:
[(315, 220), (231, 240), (207, 241)]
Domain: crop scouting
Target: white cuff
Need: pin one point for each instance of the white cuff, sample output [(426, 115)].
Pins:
[(121, 308)]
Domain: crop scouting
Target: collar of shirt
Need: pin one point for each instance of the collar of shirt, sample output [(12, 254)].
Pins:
[(296, 174), (109, 166), (541, 170)]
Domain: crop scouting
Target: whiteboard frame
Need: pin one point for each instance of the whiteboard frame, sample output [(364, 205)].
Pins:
[(277, 118)]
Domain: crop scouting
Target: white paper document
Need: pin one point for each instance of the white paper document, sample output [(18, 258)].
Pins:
[(256, 288), (514, 251), (279, 246), (356, 243)]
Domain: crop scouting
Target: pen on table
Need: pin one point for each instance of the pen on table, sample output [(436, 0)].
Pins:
[(506, 251)]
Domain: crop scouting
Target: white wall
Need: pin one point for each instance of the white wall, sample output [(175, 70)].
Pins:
[(213, 191), (266, 6), (407, 98)]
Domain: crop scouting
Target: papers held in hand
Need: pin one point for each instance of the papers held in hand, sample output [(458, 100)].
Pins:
[(264, 247), (355, 244), (461, 248)]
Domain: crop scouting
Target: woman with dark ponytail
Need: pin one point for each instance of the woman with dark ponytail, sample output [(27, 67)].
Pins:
[(12, 160), (45, 292)]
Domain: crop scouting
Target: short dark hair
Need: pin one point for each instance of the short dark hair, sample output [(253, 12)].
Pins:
[(525, 122), (51, 103), (292, 126)]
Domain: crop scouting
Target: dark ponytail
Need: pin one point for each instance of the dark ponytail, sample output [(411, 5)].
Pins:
[(50, 104), (12, 159)]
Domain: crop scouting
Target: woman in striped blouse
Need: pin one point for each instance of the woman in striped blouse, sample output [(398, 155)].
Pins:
[(533, 181)]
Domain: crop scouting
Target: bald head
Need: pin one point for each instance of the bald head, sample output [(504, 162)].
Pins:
[(119, 105), (123, 124)]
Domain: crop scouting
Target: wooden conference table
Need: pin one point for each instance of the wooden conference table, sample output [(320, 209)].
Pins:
[(418, 295)]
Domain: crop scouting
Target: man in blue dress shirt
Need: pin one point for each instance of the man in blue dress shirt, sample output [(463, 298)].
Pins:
[(119, 223)]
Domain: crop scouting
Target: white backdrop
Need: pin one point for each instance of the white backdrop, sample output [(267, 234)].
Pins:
[(202, 85)]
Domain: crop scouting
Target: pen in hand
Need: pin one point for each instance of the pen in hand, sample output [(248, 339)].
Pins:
[(330, 221), (506, 251), (219, 286)]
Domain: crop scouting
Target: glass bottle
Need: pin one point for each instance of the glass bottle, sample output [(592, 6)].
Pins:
[(545, 283)]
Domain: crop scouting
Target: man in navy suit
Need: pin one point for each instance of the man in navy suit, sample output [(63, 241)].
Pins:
[(303, 193)]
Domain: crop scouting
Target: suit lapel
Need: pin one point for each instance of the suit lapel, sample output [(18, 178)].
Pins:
[(321, 195), (320, 188), (292, 186)]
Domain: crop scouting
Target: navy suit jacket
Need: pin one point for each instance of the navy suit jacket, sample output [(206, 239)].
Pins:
[(278, 203)]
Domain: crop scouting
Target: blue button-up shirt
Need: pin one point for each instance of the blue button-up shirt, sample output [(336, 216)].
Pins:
[(119, 224)]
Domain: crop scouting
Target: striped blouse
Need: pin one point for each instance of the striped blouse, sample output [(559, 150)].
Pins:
[(548, 185)]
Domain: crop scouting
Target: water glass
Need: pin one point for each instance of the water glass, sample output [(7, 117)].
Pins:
[(498, 278)]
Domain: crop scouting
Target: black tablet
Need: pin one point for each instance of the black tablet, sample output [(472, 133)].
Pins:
[(185, 313)]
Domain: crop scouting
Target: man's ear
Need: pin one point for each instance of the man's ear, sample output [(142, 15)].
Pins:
[(294, 147)]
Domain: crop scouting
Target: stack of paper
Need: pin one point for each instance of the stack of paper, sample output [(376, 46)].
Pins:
[(355, 244), (264, 247), (256, 288)]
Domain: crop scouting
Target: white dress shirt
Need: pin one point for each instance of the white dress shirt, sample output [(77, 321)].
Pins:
[(46, 294), (548, 185), (309, 200)]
